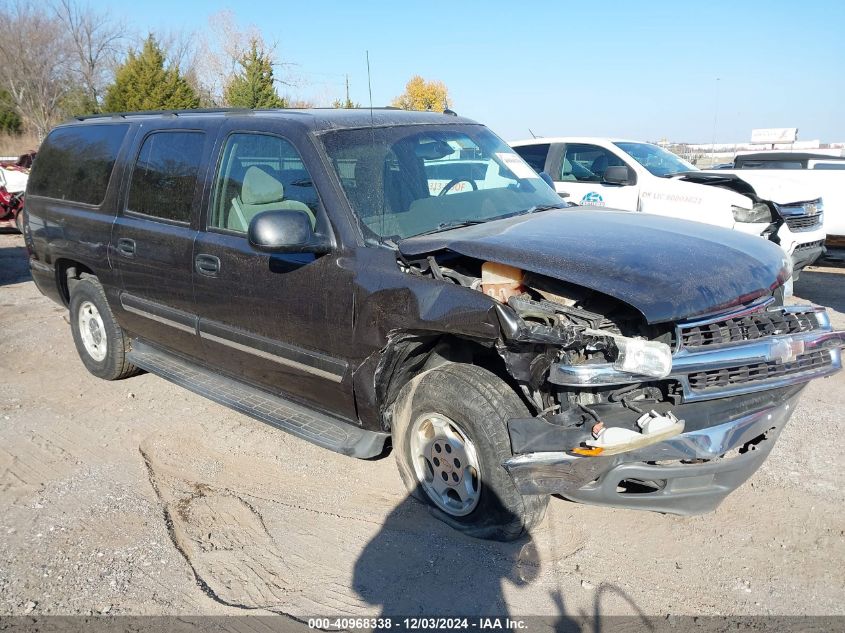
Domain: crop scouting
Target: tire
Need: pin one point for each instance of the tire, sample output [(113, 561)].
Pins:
[(103, 345), (19, 221), (456, 403)]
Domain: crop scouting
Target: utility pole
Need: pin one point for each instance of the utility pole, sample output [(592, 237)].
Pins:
[(347, 91), (715, 122)]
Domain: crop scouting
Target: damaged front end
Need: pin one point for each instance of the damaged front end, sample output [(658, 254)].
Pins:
[(669, 417)]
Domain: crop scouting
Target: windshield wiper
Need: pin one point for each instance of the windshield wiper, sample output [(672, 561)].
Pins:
[(451, 224), (456, 224), (537, 208)]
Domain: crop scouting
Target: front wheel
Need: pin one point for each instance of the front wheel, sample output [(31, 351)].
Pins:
[(450, 438)]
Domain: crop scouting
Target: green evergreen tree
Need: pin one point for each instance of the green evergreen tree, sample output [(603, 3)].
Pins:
[(253, 87), (143, 83), (10, 121)]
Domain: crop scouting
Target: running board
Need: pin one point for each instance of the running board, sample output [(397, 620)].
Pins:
[(317, 428)]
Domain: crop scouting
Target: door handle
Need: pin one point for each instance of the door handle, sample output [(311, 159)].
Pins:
[(126, 247), (207, 265)]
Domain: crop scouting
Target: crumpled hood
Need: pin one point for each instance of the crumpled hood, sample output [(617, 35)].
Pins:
[(668, 269), (778, 188)]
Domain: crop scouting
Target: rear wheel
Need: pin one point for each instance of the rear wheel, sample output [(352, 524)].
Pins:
[(101, 343), (450, 439)]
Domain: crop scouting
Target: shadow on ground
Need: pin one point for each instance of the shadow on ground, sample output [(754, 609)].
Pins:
[(457, 575), (14, 266), (823, 286)]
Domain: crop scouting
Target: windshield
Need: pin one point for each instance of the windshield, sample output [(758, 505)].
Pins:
[(657, 160), (406, 180)]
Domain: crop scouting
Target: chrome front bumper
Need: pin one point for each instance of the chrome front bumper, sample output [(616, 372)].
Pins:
[(752, 349), (692, 475)]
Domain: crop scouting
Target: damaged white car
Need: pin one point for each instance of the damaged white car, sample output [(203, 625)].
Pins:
[(635, 176)]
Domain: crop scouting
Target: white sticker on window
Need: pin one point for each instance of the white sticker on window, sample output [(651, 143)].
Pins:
[(519, 167)]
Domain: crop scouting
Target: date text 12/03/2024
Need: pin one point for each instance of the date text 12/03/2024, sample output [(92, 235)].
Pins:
[(417, 623)]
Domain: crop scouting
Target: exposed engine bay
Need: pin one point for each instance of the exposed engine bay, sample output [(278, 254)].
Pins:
[(614, 396)]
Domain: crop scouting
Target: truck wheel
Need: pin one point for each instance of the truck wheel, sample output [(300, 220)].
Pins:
[(100, 342), (450, 438)]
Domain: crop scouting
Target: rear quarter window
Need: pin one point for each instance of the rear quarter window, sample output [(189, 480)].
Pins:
[(534, 155), (75, 163)]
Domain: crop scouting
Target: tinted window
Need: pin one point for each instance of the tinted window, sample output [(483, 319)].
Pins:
[(587, 163), (165, 176), (75, 163), (771, 164), (534, 155), (260, 173), (829, 165)]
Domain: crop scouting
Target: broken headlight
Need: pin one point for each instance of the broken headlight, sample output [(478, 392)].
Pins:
[(644, 358), (760, 212)]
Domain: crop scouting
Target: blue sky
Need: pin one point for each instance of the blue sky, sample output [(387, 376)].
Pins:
[(634, 69)]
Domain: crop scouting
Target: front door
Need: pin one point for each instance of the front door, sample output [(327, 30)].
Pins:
[(274, 320), (153, 238), (581, 173)]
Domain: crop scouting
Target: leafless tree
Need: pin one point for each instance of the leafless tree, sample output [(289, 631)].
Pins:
[(97, 40), (36, 67), (220, 50)]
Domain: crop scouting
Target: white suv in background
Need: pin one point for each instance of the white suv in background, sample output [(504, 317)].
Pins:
[(636, 176)]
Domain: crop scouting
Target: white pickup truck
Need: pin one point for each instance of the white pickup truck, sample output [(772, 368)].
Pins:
[(636, 176), (823, 171)]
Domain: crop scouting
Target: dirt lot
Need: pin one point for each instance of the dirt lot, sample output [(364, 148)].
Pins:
[(138, 497)]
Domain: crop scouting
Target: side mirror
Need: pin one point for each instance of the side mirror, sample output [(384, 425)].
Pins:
[(285, 232), (547, 179), (619, 175), (544, 176)]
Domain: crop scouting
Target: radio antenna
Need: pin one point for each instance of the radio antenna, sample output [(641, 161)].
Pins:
[(373, 132), (370, 88), (532, 133)]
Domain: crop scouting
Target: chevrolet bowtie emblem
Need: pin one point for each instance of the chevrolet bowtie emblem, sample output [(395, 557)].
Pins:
[(786, 350)]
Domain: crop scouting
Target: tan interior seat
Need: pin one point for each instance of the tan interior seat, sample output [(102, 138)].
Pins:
[(262, 192)]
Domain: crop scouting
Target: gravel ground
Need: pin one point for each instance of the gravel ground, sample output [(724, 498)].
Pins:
[(138, 497)]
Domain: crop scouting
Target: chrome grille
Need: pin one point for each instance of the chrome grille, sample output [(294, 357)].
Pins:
[(749, 327), (809, 245), (803, 222), (754, 348), (744, 374)]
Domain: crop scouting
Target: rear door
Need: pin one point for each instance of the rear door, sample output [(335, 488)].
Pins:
[(274, 320), (580, 173), (153, 237)]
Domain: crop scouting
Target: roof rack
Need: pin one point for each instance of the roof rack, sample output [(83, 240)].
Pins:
[(123, 115), (188, 112)]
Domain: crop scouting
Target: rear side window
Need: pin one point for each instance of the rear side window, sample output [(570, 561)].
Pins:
[(534, 155), (75, 163), (164, 178)]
